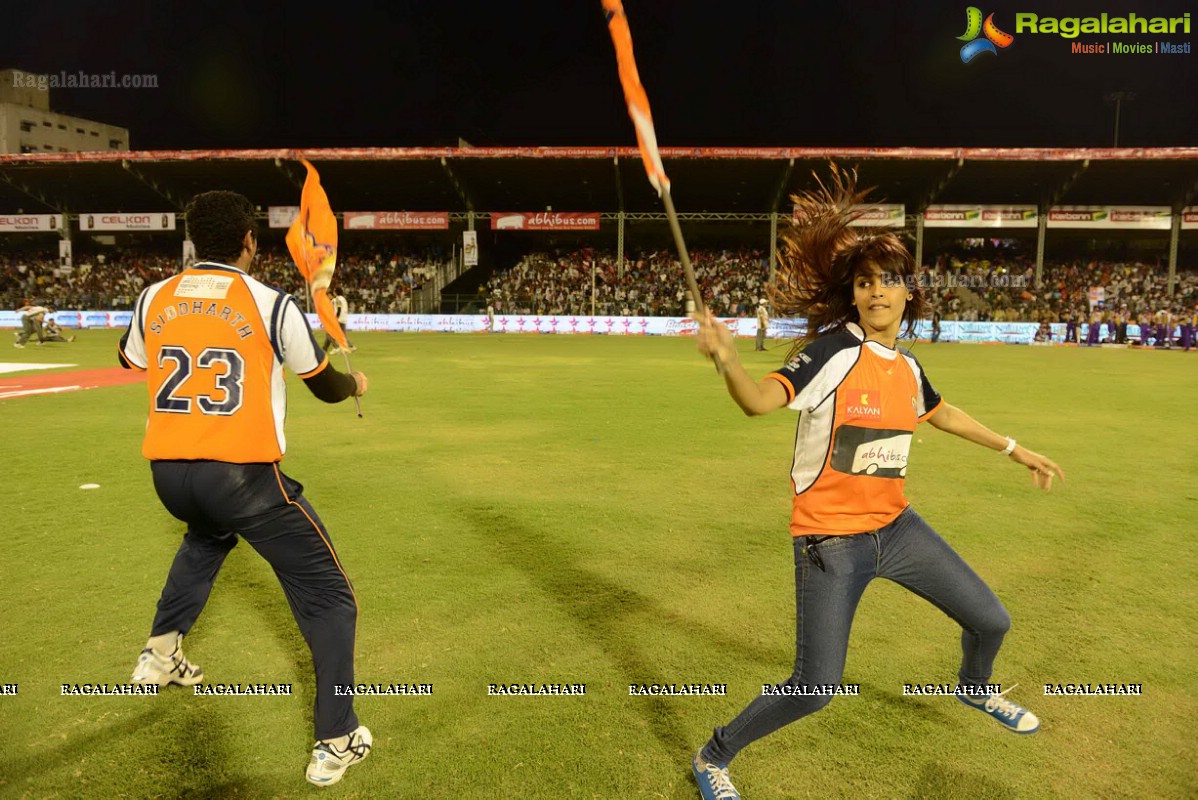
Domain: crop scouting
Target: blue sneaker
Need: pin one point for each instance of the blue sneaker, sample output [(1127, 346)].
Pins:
[(713, 780), (1014, 718)]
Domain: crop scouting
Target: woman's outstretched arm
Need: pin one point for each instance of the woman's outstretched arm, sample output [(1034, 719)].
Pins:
[(951, 419)]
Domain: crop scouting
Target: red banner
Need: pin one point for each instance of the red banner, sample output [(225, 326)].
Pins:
[(545, 221), (772, 153), (395, 220)]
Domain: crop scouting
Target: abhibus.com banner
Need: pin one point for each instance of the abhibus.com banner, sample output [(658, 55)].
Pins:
[(395, 220), (545, 221)]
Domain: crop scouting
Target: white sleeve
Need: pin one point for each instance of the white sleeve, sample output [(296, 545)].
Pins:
[(301, 353), (133, 344)]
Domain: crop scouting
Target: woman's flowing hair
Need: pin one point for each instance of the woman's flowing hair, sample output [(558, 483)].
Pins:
[(821, 254)]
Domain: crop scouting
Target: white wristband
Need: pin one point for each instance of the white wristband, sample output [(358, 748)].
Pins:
[(1010, 447)]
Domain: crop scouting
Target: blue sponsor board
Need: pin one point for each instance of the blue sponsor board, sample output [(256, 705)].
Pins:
[(785, 328), (71, 318), (779, 328), (959, 331), (67, 319)]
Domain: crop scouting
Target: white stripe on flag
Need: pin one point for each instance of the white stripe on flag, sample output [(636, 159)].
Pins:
[(644, 127)]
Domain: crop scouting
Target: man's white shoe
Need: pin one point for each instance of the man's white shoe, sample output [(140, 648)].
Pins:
[(329, 762), (162, 670)]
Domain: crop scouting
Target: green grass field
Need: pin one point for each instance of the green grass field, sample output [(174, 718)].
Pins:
[(596, 510)]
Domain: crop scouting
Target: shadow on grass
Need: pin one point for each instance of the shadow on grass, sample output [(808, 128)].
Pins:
[(942, 781), (180, 745), (936, 709), (268, 604), (602, 611)]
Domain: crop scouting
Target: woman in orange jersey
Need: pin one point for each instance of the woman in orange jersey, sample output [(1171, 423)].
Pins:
[(859, 399)]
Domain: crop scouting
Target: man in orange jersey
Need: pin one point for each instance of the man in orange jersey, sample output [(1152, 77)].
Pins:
[(213, 341)]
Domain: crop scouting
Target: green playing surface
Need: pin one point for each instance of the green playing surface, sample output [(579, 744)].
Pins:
[(524, 509)]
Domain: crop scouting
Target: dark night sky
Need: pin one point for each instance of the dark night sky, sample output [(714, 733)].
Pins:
[(541, 72)]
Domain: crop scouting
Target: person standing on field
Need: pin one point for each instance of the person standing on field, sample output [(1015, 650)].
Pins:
[(859, 398), (341, 307), (1095, 326), (1164, 328), (213, 342), (763, 322)]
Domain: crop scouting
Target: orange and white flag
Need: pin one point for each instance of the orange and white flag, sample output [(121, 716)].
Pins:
[(312, 240), (634, 93)]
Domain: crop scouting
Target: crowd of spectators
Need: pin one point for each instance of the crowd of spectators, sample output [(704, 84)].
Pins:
[(380, 277), (1005, 290), (106, 280), (652, 283), (373, 280)]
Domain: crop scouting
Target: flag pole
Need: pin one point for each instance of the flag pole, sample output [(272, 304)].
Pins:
[(646, 137), (350, 370), (680, 243), (688, 270)]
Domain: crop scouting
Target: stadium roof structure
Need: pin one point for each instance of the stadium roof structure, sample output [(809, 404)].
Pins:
[(715, 181)]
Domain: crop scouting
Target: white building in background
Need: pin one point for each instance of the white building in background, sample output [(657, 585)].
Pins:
[(27, 125)]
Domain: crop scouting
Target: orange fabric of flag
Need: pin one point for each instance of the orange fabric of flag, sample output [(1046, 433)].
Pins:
[(634, 93), (312, 240)]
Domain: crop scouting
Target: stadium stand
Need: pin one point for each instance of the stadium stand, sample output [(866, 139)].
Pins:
[(383, 281), (651, 283), (374, 281), (732, 201)]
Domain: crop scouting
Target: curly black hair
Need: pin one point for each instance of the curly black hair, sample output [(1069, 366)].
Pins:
[(217, 223)]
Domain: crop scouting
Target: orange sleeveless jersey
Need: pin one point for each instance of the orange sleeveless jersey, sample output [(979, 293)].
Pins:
[(859, 403), (213, 341)]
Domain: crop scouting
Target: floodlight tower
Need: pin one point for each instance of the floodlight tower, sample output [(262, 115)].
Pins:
[(1117, 99)]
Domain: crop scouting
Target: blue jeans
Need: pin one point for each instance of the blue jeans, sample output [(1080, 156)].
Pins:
[(908, 552)]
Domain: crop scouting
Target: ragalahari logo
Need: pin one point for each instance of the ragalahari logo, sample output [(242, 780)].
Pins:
[(974, 26)]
